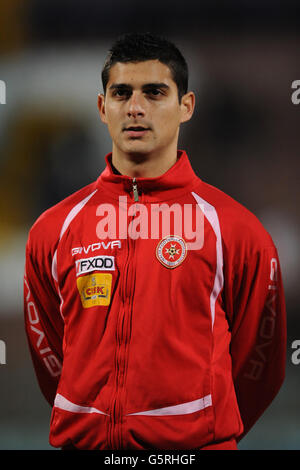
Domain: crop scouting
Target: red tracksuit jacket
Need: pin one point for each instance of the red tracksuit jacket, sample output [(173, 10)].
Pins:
[(151, 343)]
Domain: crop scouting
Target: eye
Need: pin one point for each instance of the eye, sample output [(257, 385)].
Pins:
[(153, 91), (121, 93)]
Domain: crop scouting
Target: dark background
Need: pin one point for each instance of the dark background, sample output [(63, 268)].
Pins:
[(244, 138)]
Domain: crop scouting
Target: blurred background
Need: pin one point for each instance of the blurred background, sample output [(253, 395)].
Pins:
[(244, 138)]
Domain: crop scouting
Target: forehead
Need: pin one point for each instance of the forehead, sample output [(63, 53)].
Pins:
[(138, 73)]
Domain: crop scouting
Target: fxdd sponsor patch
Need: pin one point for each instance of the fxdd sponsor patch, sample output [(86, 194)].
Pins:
[(95, 289), (105, 263), (171, 251)]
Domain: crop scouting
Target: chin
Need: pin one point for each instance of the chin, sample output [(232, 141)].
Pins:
[(138, 151)]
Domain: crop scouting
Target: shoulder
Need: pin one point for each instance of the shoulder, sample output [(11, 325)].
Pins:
[(239, 227), (47, 228)]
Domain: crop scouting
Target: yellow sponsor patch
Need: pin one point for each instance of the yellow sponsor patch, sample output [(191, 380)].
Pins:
[(95, 289)]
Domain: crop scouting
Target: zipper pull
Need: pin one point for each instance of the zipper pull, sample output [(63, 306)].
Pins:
[(135, 190)]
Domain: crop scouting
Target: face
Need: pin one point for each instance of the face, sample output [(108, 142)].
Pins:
[(141, 108)]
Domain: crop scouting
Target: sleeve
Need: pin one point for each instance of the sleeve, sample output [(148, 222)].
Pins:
[(258, 345), (43, 322)]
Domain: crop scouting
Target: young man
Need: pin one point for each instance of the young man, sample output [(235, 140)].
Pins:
[(154, 304)]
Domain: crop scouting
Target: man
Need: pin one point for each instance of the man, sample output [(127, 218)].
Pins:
[(154, 304)]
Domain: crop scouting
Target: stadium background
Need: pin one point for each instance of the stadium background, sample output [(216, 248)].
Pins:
[(244, 138)]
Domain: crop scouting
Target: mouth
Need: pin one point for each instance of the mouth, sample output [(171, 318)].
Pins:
[(136, 131)]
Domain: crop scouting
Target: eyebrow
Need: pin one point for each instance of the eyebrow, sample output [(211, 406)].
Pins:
[(144, 87)]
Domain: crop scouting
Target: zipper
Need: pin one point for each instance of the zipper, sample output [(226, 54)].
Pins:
[(135, 190), (120, 362), (122, 338)]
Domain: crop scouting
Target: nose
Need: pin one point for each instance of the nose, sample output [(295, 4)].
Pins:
[(135, 105)]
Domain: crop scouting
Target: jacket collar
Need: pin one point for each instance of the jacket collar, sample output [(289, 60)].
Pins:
[(179, 179)]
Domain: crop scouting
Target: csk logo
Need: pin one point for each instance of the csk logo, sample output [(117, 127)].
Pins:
[(95, 289)]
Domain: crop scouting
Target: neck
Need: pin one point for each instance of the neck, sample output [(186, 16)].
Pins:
[(143, 165)]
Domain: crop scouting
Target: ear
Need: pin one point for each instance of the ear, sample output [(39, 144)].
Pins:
[(101, 107), (187, 106)]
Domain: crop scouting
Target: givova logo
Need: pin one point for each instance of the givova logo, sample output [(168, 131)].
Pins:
[(2, 352)]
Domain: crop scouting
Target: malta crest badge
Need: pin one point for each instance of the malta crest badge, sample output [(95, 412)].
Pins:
[(171, 251)]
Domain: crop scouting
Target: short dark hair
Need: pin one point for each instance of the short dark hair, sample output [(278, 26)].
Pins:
[(139, 47)]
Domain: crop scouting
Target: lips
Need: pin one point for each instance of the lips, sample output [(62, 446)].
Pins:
[(136, 131), (136, 128)]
